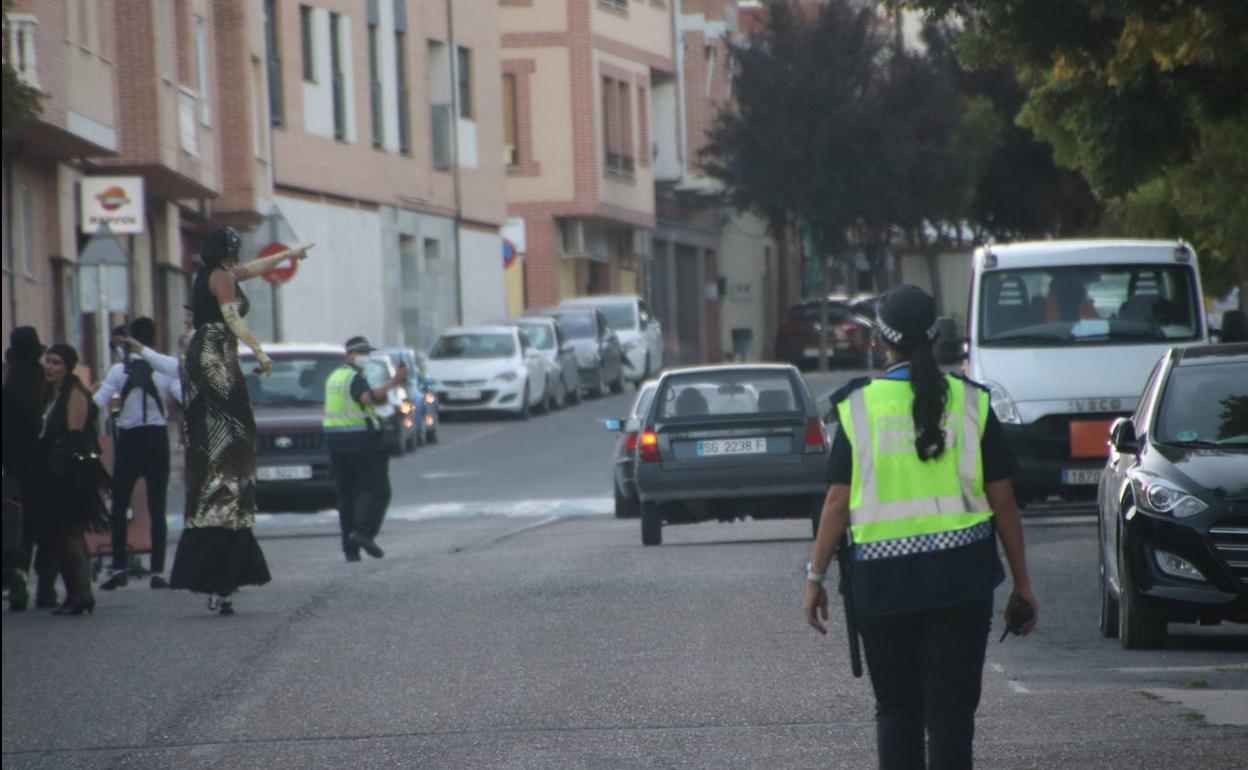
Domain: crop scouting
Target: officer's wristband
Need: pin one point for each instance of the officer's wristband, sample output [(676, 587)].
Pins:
[(815, 577)]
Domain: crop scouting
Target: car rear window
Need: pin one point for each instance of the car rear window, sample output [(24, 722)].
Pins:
[(1205, 404), (577, 325), (295, 381), (728, 393), (474, 346), (540, 334), (620, 315)]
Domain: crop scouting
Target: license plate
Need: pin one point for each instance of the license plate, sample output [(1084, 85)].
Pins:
[(464, 395), (811, 352), (732, 446), (283, 472), (1081, 476)]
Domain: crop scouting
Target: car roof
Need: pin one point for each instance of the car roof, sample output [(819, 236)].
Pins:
[(600, 299), (1089, 251), (482, 329), (763, 367), (300, 348), (1204, 355)]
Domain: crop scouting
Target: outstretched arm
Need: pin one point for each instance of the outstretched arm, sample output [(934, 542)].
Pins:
[(221, 284), (258, 267)]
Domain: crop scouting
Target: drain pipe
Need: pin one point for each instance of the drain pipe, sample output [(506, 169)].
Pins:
[(453, 52)]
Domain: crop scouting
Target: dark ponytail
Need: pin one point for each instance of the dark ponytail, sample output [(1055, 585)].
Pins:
[(931, 393)]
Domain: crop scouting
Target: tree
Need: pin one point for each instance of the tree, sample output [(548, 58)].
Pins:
[(20, 103)]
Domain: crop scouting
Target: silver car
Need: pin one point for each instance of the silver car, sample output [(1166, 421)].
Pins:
[(548, 339), (725, 442), (599, 356)]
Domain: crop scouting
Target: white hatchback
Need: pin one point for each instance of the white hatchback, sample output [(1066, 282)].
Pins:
[(639, 332), (487, 368)]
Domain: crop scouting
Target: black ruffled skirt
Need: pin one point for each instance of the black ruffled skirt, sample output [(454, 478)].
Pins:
[(215, 560)]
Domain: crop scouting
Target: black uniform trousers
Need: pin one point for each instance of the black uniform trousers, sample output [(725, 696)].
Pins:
[(926, 669), (141, 453), (362, 478)]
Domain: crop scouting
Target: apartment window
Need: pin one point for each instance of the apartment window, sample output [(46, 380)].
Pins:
[(433, 253), (258, 134), (511, 126), (306, 44), (337, 79), (273, 65), (21, 29), (644, 153), (201, 69), (409, 263), (613, 126), (463, 75), (104, 28), (626, 125), (400, 67), (23, 241), (84, 23), (441, 90), (619, 5), (374, 89)]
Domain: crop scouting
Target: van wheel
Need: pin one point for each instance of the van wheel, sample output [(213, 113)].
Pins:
[(651, 525)]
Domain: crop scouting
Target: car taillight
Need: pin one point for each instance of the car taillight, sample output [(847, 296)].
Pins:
[(815, 441), (648, 445), (630, 441)]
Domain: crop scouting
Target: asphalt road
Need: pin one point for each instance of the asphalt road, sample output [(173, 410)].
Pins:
[(541, 634)]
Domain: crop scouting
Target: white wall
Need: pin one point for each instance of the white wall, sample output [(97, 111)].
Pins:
[(742, 265), (338, 291), (318, 97), (482, 278)]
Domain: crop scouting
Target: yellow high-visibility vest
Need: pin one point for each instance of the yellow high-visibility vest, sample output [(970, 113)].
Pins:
[(344, 414)]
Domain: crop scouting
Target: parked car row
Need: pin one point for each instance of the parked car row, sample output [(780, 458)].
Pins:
[(547, 358), (292, 458)]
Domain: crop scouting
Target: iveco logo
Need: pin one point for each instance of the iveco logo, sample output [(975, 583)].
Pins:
[(1094, 405), (283, 442)]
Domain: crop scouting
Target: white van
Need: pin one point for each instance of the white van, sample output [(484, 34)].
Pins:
[(1065, 333)]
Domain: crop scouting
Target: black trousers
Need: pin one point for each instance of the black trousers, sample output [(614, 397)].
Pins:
[(926, 670), (141, 453), (363, 483)]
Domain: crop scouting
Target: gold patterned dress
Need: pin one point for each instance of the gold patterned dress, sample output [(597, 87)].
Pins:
[(217, 551)]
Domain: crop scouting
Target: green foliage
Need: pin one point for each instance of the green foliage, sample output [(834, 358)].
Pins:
[(20, 103)]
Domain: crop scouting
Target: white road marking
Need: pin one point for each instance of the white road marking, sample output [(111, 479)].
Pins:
[(432, 475), (1017, 687), (1239, 668), (585, 506)]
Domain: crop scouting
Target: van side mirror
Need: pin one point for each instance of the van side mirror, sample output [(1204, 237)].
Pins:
[(1234, 327), (1122, 436)]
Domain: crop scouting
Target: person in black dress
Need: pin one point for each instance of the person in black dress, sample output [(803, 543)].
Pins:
[(217, 551), (74, 480)]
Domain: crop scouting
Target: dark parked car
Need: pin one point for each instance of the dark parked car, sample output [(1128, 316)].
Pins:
[(851, 322), (1174, 500), (292, 460), (725, 442), (626, 504), (599, 356)]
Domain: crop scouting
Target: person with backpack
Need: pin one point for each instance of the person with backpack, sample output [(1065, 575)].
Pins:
[(142, 394)]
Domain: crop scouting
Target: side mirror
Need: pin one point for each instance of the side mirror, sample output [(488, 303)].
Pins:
[(1122, 436), (567, 347), (614, 425), (1234, 327)]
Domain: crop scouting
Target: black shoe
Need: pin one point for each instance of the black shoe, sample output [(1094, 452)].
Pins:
[(115, 581), (353, 555), (158, 581), (77, 607), (366, 543), (227, 607)]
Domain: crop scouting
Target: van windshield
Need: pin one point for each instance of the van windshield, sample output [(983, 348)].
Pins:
[(1076, 304)]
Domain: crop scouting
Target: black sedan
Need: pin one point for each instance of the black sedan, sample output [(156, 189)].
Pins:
[(626, 503), (725, 442), (1174, 500)]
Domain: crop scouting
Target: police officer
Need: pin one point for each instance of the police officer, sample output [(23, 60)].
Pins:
[(357, 453), (138, 393), (920, 476)]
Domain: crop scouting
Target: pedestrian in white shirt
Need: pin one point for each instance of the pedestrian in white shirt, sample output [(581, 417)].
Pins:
[(142, 388)]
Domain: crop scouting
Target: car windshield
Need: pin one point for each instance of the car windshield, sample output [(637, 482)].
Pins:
[(375, 371), (620, 315), (1087, 305), (474, 346), (295, 381), (726, 393), (809, 312), (577, 325), (540, 335), (1205, 404)]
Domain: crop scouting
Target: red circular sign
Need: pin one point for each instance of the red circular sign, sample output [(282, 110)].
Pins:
[(283, 272)]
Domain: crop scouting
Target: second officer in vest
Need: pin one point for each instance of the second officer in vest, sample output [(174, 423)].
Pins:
[(920, 476), (357, 452)]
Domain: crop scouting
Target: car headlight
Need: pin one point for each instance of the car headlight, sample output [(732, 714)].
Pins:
[(430, 398), (507, 377), (1153, 493), (1003, 405)]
